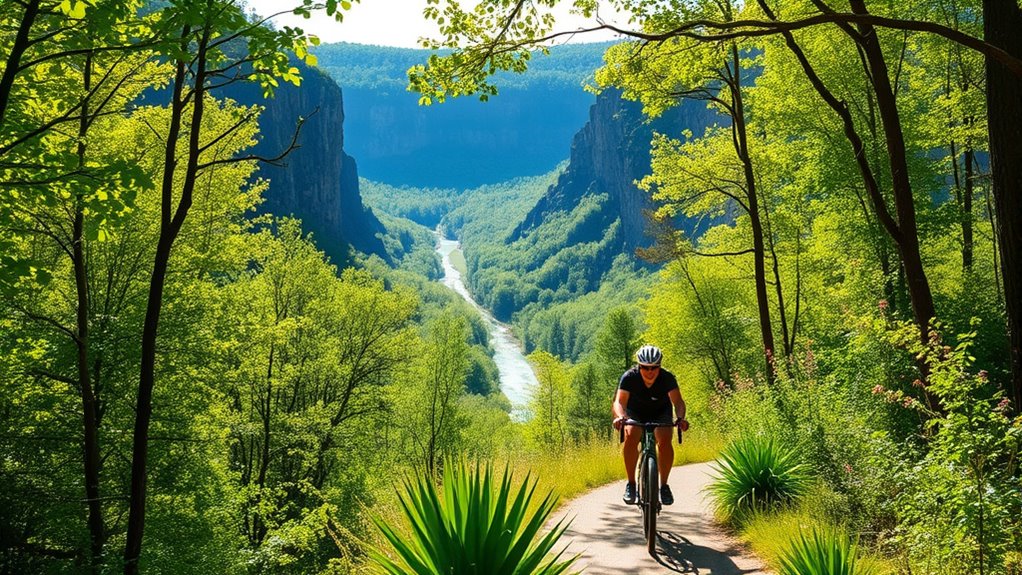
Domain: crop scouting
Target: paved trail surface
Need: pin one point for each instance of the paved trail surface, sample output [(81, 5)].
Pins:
[(608, 534)]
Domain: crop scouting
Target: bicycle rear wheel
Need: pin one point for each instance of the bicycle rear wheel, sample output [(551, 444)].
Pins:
[(650, 502)]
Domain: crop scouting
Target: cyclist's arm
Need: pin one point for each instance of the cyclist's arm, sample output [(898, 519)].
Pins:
[(617, 409), (679, 404)]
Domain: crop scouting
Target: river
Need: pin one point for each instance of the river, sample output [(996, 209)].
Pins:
[(516, 376)]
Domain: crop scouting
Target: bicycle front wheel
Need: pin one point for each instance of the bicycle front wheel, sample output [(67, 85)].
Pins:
[(650, 503)]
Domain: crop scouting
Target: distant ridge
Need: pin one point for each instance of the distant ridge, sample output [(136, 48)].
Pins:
[(526, 130), (386, 67)]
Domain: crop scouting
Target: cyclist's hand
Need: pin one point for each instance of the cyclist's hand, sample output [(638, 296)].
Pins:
[(682, 424), (619, 422)]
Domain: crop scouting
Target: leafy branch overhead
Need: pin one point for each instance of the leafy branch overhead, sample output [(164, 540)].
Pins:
[(500, 35)]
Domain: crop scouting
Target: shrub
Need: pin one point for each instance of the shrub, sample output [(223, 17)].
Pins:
[(755, 472), (474, 526), (823, 552), (961, 507)]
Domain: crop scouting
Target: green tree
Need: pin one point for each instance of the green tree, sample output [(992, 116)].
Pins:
[(496, 37), (430, 398), (683, 176), (313, 355), (53, 318), (197, 35), (549, 402), (699, 313), (589, 408), (617, 341)]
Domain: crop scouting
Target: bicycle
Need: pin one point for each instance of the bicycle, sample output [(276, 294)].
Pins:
[(647, 478)]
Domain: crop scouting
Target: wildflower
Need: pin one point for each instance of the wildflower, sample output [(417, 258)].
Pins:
[(908, 402), (878, 389), (882, 304), (848, 468), (1003, 405), (918, 383), (983, 375)]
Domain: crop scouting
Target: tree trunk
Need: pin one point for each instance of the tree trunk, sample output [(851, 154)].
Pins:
[(918, 286), (787, 341), (21, 43), (1002, 20), (90, 408), (758, 245), (170, 225), (967, 232)]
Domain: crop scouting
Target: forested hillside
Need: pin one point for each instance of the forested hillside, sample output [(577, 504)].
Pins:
[(539, 249)]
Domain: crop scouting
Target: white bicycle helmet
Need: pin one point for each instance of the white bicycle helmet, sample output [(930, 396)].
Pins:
[(649, 355)]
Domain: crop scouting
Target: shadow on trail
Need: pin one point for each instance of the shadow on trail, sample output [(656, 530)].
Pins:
[(679, 555)]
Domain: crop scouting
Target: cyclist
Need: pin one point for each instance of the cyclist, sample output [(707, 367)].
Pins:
[(647, 393)]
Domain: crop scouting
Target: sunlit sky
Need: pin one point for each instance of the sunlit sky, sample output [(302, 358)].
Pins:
[(393, 22)]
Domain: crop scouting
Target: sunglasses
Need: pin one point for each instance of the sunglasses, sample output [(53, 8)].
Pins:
[(649, 367)]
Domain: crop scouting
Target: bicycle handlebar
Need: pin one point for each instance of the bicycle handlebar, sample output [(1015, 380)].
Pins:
[(644, 425)]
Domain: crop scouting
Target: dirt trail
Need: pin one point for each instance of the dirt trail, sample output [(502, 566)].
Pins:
[(608, 534)]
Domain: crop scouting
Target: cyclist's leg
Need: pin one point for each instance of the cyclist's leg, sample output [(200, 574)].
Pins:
[(665, 452), (664, 444), (630, 450)]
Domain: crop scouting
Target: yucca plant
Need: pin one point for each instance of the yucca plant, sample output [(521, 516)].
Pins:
[(472, 525), (755, 472), (826, 551)]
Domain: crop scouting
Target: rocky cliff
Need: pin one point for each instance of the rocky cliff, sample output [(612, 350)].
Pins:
[(608, 155), (317, 181)]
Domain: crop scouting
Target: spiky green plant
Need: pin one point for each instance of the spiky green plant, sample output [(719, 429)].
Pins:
[(472, 525), (823, 552), (754, 472)]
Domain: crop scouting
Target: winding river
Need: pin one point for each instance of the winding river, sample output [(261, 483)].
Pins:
[(516, 376)]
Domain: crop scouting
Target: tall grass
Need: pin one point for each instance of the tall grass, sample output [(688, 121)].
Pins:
[(826, 551), (770, 536)]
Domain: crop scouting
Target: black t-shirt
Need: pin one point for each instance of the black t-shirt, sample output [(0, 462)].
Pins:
[(648, 403)]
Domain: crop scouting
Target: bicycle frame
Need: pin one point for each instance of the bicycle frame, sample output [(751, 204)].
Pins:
[(647, 476)]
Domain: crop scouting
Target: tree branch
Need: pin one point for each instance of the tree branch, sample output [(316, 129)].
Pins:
[(752, 28)]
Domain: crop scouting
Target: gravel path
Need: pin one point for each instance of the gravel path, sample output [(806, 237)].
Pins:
[(608, 534)]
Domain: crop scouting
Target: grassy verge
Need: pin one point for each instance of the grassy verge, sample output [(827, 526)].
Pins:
[(770, 533)]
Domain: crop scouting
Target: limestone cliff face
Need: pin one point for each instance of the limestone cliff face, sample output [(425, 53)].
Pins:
[(608, 155), (317, 181)]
